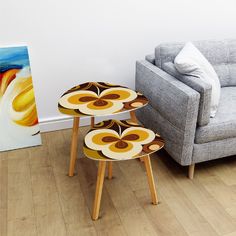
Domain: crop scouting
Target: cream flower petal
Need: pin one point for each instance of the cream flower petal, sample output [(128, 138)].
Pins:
[(145, 135), (122, 155), (125, 94), (66, 100), (101, 110), (94, 141)]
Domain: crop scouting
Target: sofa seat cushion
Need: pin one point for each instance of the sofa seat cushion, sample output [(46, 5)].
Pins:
[(223, 125)]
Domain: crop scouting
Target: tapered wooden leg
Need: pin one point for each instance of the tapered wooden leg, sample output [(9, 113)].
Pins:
[(92, 122), (133, 117), (151, 183), (98, 193), (109, 170), (191, 171), (74, 146)]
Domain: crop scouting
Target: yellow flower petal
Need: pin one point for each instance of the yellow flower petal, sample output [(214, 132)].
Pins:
[(113, 147), (94, 139), (123, 94), (96, 106), (73, 100), (100, 138), (93, 154), (144, 135), (130, 152), (81, 98), (111, 108)]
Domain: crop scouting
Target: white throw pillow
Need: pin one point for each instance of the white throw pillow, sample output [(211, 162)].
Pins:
[(190, 61)]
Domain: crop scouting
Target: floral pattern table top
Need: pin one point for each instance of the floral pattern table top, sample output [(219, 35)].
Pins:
[(112, 140), (99, 98)]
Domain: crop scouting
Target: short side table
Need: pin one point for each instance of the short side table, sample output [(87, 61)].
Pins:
[(114, 140)]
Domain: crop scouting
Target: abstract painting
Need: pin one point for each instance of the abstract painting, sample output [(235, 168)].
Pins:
[(18, 114)]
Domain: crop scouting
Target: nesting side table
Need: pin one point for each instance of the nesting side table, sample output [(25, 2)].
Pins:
[(114, 140), (94, 99)]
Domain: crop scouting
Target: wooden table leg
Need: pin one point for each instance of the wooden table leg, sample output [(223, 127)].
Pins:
[(133, 117), (109, 170), (92, 121), (99, 186), (74, 146), (151, 183)]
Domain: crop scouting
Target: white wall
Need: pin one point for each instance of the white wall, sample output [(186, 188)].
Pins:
[(75, 41)]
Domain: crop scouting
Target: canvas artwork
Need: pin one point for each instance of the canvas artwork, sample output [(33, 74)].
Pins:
[(18, 114)]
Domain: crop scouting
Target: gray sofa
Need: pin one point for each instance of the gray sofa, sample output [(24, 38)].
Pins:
[(179, 105)]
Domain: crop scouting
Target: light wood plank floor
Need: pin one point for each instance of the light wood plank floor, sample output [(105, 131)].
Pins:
[(38, 198)]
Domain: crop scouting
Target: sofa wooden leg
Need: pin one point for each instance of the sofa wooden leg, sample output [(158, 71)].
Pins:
[(191, 171)]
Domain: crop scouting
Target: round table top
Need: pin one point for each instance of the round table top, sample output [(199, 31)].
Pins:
[(98, 99), (115, 140)]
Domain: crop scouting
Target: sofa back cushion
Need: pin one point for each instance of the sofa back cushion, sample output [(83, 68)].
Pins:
[(221, 54)]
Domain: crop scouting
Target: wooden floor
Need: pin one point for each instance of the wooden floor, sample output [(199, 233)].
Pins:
[(38, 198)]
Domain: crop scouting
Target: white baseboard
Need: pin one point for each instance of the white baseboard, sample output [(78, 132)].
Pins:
[(59, 123)]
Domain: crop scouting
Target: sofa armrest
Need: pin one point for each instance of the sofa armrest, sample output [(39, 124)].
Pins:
[(150, 58), (176, 103), (200, 86)]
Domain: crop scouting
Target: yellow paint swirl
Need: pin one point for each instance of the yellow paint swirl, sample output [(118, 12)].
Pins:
[(25, 98), (24, 103)]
